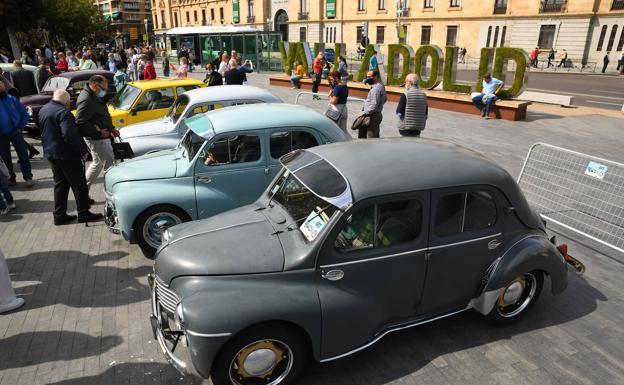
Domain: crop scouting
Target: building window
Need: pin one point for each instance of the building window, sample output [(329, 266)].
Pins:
[(403, 40), (303, 6), (455, 4), (222, 14), (503, 35), (612, 37), (451, 35), (203, 16), (359, 34), (162, 19), (212, 14), (621, 42), (381, 5), (195, 15), (302, 34), (500, 7), (425, 35), (603, 33), (252, 12), (553, 6), (428, 4), (155, 21), (381, 31), (547, 36), (361, 5), (495, 37), (175, 17), (188, 17), (489, 35)]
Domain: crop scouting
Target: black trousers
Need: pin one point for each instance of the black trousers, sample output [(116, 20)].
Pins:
[(316, 84), (69, 174)]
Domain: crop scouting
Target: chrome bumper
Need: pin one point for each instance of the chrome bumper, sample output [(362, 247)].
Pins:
[(110, 216), (162, 334)]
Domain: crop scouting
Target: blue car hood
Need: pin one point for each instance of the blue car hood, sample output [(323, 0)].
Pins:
[(157, 165)]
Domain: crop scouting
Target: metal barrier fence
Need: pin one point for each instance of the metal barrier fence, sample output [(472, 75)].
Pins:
[(323, 96), (580, 192)]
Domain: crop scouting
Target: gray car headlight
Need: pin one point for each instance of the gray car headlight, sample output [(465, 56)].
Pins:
[(179, 317)]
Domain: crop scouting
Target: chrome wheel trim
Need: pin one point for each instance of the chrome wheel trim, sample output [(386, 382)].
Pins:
[(284, 366), (155, 226), (521, 301)]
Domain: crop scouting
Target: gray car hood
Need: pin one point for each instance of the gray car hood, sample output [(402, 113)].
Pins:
[(240, 241), (151, 127)]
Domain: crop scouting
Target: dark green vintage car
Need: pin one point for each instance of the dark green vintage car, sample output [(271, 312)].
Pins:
[(350, 242)]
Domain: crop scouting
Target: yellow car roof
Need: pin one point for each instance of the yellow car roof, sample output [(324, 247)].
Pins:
[(166, 82)]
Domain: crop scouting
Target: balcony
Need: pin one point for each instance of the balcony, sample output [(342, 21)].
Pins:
[(617, 5), (500, 7), (303, 16), (553, 6), (251, 19)]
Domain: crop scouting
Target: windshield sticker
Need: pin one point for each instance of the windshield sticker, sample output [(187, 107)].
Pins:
[(596, 170), (312, 226)]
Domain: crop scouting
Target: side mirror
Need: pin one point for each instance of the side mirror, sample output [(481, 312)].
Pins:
[(133, 111)]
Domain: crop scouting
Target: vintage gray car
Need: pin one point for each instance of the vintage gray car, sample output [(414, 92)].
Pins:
[(351, 241), (166, 132)]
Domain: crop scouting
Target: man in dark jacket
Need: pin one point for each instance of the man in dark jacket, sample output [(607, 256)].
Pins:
[(64, 149), (42, 74), (95, 125), (23, 80), (213, 78), (234, 76)]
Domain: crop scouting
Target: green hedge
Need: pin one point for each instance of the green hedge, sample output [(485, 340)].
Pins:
[(340, 49), (436, 65), (448, 82), (296, 52), (487, 54), (503, 55), (361, 74), (394, 52)]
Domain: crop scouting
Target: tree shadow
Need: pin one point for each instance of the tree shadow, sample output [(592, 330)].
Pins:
[(406, 352), (142, 373), (533, 116), (33, 348), (78, 280), (24, 206)]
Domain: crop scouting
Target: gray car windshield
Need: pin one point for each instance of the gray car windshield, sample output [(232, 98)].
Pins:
[(126, 97), (309, 213), (55, 83)]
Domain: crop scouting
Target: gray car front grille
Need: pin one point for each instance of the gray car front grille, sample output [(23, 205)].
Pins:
[(168, 299)]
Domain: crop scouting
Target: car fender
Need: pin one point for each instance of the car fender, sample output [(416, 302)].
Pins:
[(528, 253), (210, 320), (143, 144), (133, 197)]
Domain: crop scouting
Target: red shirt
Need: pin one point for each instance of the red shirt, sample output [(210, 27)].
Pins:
[(149, 73), (62, 65), (317, 67)]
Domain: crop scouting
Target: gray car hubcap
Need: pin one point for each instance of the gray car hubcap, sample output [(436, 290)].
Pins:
[(155, 226), (264, 362), (517, 296)]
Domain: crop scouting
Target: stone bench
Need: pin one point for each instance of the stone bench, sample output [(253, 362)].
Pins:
[(540, 97), (503, 109)]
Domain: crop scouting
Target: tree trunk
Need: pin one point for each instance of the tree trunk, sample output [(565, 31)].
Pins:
[(17, 53)]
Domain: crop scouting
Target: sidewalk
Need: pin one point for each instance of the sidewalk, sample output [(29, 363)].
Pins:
[(85, 320)]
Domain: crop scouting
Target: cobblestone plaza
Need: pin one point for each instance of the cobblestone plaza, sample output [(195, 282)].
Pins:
[(85, 320)]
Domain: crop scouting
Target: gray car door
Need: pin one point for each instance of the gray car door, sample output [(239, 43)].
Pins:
[(371, 270), (466, 236)]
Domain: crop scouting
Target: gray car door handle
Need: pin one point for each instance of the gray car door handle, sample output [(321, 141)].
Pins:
[(333, 275), (204, 179)]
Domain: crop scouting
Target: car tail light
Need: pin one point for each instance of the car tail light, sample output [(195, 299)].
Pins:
[(563, 249)]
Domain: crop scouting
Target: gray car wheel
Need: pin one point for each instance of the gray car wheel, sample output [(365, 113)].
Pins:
[(264, 355), (516, 298), (150, 225)]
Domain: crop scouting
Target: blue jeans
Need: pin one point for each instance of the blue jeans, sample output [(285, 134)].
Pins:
[(295, 81), (19, 144), (4, 188), (478, 102)]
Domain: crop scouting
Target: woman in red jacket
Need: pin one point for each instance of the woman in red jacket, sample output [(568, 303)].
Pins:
[(317, 71), (149, 73), (61, 65)]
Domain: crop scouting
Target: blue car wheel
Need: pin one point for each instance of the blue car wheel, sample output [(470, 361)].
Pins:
[(152, 223)]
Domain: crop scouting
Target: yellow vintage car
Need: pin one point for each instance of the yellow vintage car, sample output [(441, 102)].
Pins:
[(144, 100)]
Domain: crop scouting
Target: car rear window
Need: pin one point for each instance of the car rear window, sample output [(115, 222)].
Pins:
[(463, 212)]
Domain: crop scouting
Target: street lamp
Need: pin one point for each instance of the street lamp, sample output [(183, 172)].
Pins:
[(145, 21)]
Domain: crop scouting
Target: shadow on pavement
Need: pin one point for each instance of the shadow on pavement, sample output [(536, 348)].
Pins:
[(33, 348), (406, 352), (79, 280), (136, 373)]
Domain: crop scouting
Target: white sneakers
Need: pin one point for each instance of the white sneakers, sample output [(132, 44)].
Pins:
[(10, 207)]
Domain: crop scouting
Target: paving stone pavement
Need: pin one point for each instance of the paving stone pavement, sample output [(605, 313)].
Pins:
[(85, 319)]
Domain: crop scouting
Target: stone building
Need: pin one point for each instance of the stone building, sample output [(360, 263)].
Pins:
[(129, 18), (587, 29)]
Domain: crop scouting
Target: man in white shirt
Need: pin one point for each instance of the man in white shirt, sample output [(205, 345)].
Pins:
[(484, 100)]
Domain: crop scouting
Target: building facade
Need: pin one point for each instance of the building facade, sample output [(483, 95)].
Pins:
[(586, 29), (131, 19)]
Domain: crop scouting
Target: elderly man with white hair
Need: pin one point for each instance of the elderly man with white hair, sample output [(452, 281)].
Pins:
[(64, 148), (412, 109), (233, 75)]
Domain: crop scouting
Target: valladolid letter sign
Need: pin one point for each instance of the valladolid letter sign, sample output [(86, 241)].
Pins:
[(402, 59)]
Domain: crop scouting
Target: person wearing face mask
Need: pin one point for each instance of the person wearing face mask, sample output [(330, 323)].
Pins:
[(96, 126), (64, 149), (373, 105), (13, 119)]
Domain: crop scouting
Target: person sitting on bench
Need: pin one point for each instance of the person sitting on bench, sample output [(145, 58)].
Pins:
[(488, 95)]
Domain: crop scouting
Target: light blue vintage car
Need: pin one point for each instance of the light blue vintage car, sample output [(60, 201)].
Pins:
[(226, 160)]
